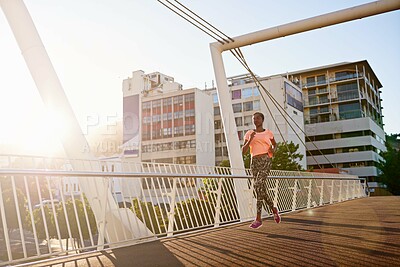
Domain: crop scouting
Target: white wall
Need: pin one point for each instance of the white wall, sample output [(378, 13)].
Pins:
[(205, 141)]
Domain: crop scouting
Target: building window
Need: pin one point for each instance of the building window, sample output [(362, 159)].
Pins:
[(215, 98), (146, 105), (311, 91), (256, 105), (217, 124), (156, 103), (178, 131), (240, 135), (238, 121), (178, 114), (236, 94), (248, 120), (216, 111), (248, 106), (167, 101), (167, 132), (310, 81), (344, 75), (247, 92), (347, 91), (189, 113), (217, 138), (256, 91), (321, 79), (323, 99), (312, 100), (167, 116), (190, 129), (237, 107), (349, 111), (218, 151), (178, 100), (313, 110), (323, 109)]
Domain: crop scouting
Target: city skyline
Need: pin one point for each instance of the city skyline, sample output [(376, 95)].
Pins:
[(94, 46)]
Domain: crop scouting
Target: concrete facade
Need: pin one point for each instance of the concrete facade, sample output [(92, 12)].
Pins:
[(343, 117), (247, 99), (170, 125)]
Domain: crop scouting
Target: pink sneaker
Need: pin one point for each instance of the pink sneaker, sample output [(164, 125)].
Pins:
[(256, 224), (277, 217)]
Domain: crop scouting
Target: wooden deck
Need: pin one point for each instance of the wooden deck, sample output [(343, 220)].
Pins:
[(362, 232)]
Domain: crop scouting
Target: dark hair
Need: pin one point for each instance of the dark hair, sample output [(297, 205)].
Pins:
[(260, 114)]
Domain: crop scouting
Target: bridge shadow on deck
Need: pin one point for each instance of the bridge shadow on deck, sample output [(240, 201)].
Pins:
[(362, 232)]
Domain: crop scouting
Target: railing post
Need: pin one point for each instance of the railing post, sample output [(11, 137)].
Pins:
[(218, 206), (347, 189), (171, 215), (21, 230), (294, 195), (353, 189), (309, 194), (5, 227), (276, 190), (321, 197), (102, 223), (331, 197)]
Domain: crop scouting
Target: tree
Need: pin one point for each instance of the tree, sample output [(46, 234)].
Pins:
[(152, 216), (283, 159), (390, 169), (286, 157), (73, 220), (10, 207)]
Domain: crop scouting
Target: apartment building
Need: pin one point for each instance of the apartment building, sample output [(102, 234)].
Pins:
[(248, 98), (343, 117), (166, 124)]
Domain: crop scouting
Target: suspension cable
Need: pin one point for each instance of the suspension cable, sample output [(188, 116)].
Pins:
[(239, 55), (223, 41), (205, 21), (279, 108)]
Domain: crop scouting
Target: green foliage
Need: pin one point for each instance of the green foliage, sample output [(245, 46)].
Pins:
[(390, 169), (47, 215), (73, 219), (210, 187), (247, 160), (190, 214), (41, 223), (10, 206), (225, 163), (152, 216), (286, 157)]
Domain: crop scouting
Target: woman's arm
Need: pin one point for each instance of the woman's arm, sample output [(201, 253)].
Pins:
[(246, 144), (273, 147)]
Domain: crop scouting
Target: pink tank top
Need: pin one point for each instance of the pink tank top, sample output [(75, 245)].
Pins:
[(261, 142)]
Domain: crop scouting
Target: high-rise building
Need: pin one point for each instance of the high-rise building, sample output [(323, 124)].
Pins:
[(247, 98), (343, 117), (163, 123)]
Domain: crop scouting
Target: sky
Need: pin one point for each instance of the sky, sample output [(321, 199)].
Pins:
[(95, 44)]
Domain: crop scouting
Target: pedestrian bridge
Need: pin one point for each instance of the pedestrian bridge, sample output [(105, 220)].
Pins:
[(195, 215), (361, 232)]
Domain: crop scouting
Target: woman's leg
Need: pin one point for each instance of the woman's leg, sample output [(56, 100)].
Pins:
[(260, 168)]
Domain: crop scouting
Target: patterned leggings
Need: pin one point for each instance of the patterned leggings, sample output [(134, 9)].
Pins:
[(260, 167)]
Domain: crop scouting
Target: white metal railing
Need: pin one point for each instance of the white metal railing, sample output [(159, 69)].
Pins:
[(44, 213)]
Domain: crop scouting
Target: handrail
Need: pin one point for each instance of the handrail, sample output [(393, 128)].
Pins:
[(273, 175)]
